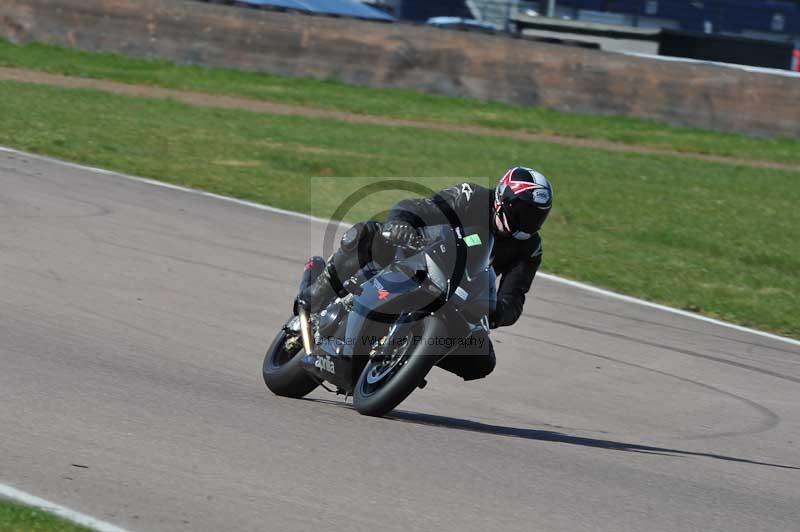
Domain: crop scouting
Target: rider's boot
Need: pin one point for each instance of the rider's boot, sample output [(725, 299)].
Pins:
[(340, 267), (319, 294), (341, 270), (355, 250), (316, 297)]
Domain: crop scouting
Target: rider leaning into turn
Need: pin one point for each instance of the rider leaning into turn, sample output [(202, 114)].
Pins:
[(515, 210)]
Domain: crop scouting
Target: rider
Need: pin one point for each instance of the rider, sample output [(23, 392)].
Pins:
[(515, 210)]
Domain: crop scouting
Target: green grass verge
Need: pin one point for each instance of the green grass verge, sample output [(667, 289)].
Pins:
[(701, 236), (18, 518), (396, 103)]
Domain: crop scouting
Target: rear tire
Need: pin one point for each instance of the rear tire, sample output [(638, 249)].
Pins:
[(372, 400), (283, 371)]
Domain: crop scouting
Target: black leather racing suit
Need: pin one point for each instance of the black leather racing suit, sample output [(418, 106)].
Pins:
[(468, 204), (515, 261)]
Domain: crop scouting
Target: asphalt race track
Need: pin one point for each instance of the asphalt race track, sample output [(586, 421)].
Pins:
[(133, 321)]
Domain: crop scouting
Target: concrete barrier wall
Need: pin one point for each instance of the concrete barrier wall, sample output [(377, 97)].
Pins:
[(417, 57)]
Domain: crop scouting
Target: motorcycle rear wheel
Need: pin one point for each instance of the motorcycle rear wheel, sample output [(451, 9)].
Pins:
[(283, 371)]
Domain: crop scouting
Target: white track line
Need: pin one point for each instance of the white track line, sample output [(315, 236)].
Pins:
[(549, 277), (671, 310), (22, 497)]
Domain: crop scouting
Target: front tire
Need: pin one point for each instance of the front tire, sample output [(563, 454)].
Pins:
[(373, 397), (283, 371)]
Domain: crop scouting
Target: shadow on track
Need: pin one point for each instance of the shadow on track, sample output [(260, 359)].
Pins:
[(558, 437)]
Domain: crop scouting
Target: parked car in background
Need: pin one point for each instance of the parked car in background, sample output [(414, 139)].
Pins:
[(466, 24)]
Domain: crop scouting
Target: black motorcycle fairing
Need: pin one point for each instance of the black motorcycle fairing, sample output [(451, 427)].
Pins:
[(479, 295), (387, 295), (329, 318), (327, 363)]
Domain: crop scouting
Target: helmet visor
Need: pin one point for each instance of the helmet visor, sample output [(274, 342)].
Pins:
[(527, 217)]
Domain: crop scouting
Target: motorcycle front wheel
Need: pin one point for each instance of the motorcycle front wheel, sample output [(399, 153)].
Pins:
[(408, 354)]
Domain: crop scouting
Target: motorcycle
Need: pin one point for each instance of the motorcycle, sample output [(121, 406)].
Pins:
[(378, 343)]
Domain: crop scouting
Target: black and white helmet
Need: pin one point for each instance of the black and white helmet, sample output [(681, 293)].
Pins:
[(522, 201)]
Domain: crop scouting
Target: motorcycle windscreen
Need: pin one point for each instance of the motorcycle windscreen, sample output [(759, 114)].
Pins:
[(460, 253)]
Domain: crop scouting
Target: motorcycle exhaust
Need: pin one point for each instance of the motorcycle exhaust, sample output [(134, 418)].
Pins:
[(305, 331)]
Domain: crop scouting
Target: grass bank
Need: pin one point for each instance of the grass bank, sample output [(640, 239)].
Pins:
[(695, 235), (17, 518), (393, 103)]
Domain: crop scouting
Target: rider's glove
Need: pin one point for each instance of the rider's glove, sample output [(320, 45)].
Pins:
[(400, 233)]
